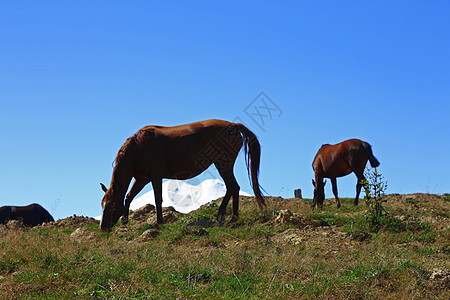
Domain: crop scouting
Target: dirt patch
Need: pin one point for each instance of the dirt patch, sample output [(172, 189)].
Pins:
[(275, 203), (72, 222), (426, 208), (316, 237)]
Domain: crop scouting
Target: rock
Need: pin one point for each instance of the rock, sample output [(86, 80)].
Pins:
[(147, 235), (169, 216), (82, 234), (438, 274), (121, 230), (286, 217), (142, 212), (298, 193), (201, 223), (15, 225)]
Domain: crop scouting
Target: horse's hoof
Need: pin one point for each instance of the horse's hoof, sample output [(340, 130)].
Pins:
[(220, 220), (233, 220)]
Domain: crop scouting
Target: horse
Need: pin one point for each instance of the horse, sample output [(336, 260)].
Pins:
[(180, 152), (31, 215), (339, 160)]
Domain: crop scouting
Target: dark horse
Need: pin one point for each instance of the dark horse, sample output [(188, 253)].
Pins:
[(31, 215), (338, 160), (180, 152)]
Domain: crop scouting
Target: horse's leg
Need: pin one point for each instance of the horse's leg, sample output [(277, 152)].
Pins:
[(335, 191), (157, 189), (357, 163), (359, 185), (232, 190), (223, 208), (138, 185), (234, 186)]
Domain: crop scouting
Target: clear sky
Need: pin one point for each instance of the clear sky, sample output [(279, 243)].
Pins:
[(79, 77)]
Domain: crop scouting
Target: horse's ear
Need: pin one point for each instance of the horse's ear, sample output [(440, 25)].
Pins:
[(103, 187), (314, 183)]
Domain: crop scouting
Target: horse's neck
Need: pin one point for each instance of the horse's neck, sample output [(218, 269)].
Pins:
[(120, 180)]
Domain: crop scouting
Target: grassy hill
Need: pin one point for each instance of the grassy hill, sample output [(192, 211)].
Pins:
[(288, 252)]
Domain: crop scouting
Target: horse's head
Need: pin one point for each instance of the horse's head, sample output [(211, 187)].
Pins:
[(112, 210), (319, 192)]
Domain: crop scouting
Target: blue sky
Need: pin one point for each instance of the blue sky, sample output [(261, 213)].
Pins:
[(77, 78)]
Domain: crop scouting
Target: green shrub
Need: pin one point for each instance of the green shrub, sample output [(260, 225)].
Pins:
[(374, 186)]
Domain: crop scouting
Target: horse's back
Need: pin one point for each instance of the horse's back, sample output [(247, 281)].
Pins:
[(351, 145), (182, 151), (45, 216), (32, 214), (336, 160), (342, 147), (196, 125), (206, 129)]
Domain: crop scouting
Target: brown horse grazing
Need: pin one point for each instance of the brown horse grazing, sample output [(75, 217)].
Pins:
[(31, 215), (180, 152), (338, 160)]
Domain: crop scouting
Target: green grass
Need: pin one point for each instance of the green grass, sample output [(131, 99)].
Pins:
[(411, 200), (446, 197), (242, 260), (326, 218)]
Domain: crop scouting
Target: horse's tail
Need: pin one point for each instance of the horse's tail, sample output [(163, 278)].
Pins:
[(252, 150), (368, 149)]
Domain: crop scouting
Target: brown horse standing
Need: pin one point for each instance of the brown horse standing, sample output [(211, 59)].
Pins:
[(180, 152), (338, 160)]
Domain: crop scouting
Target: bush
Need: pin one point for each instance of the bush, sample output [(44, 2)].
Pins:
[(374, 185)]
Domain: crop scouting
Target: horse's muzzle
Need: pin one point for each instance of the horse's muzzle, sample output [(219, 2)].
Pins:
[(103, 227)]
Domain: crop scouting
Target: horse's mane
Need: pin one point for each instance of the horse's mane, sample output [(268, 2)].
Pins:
[(127, 150)]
